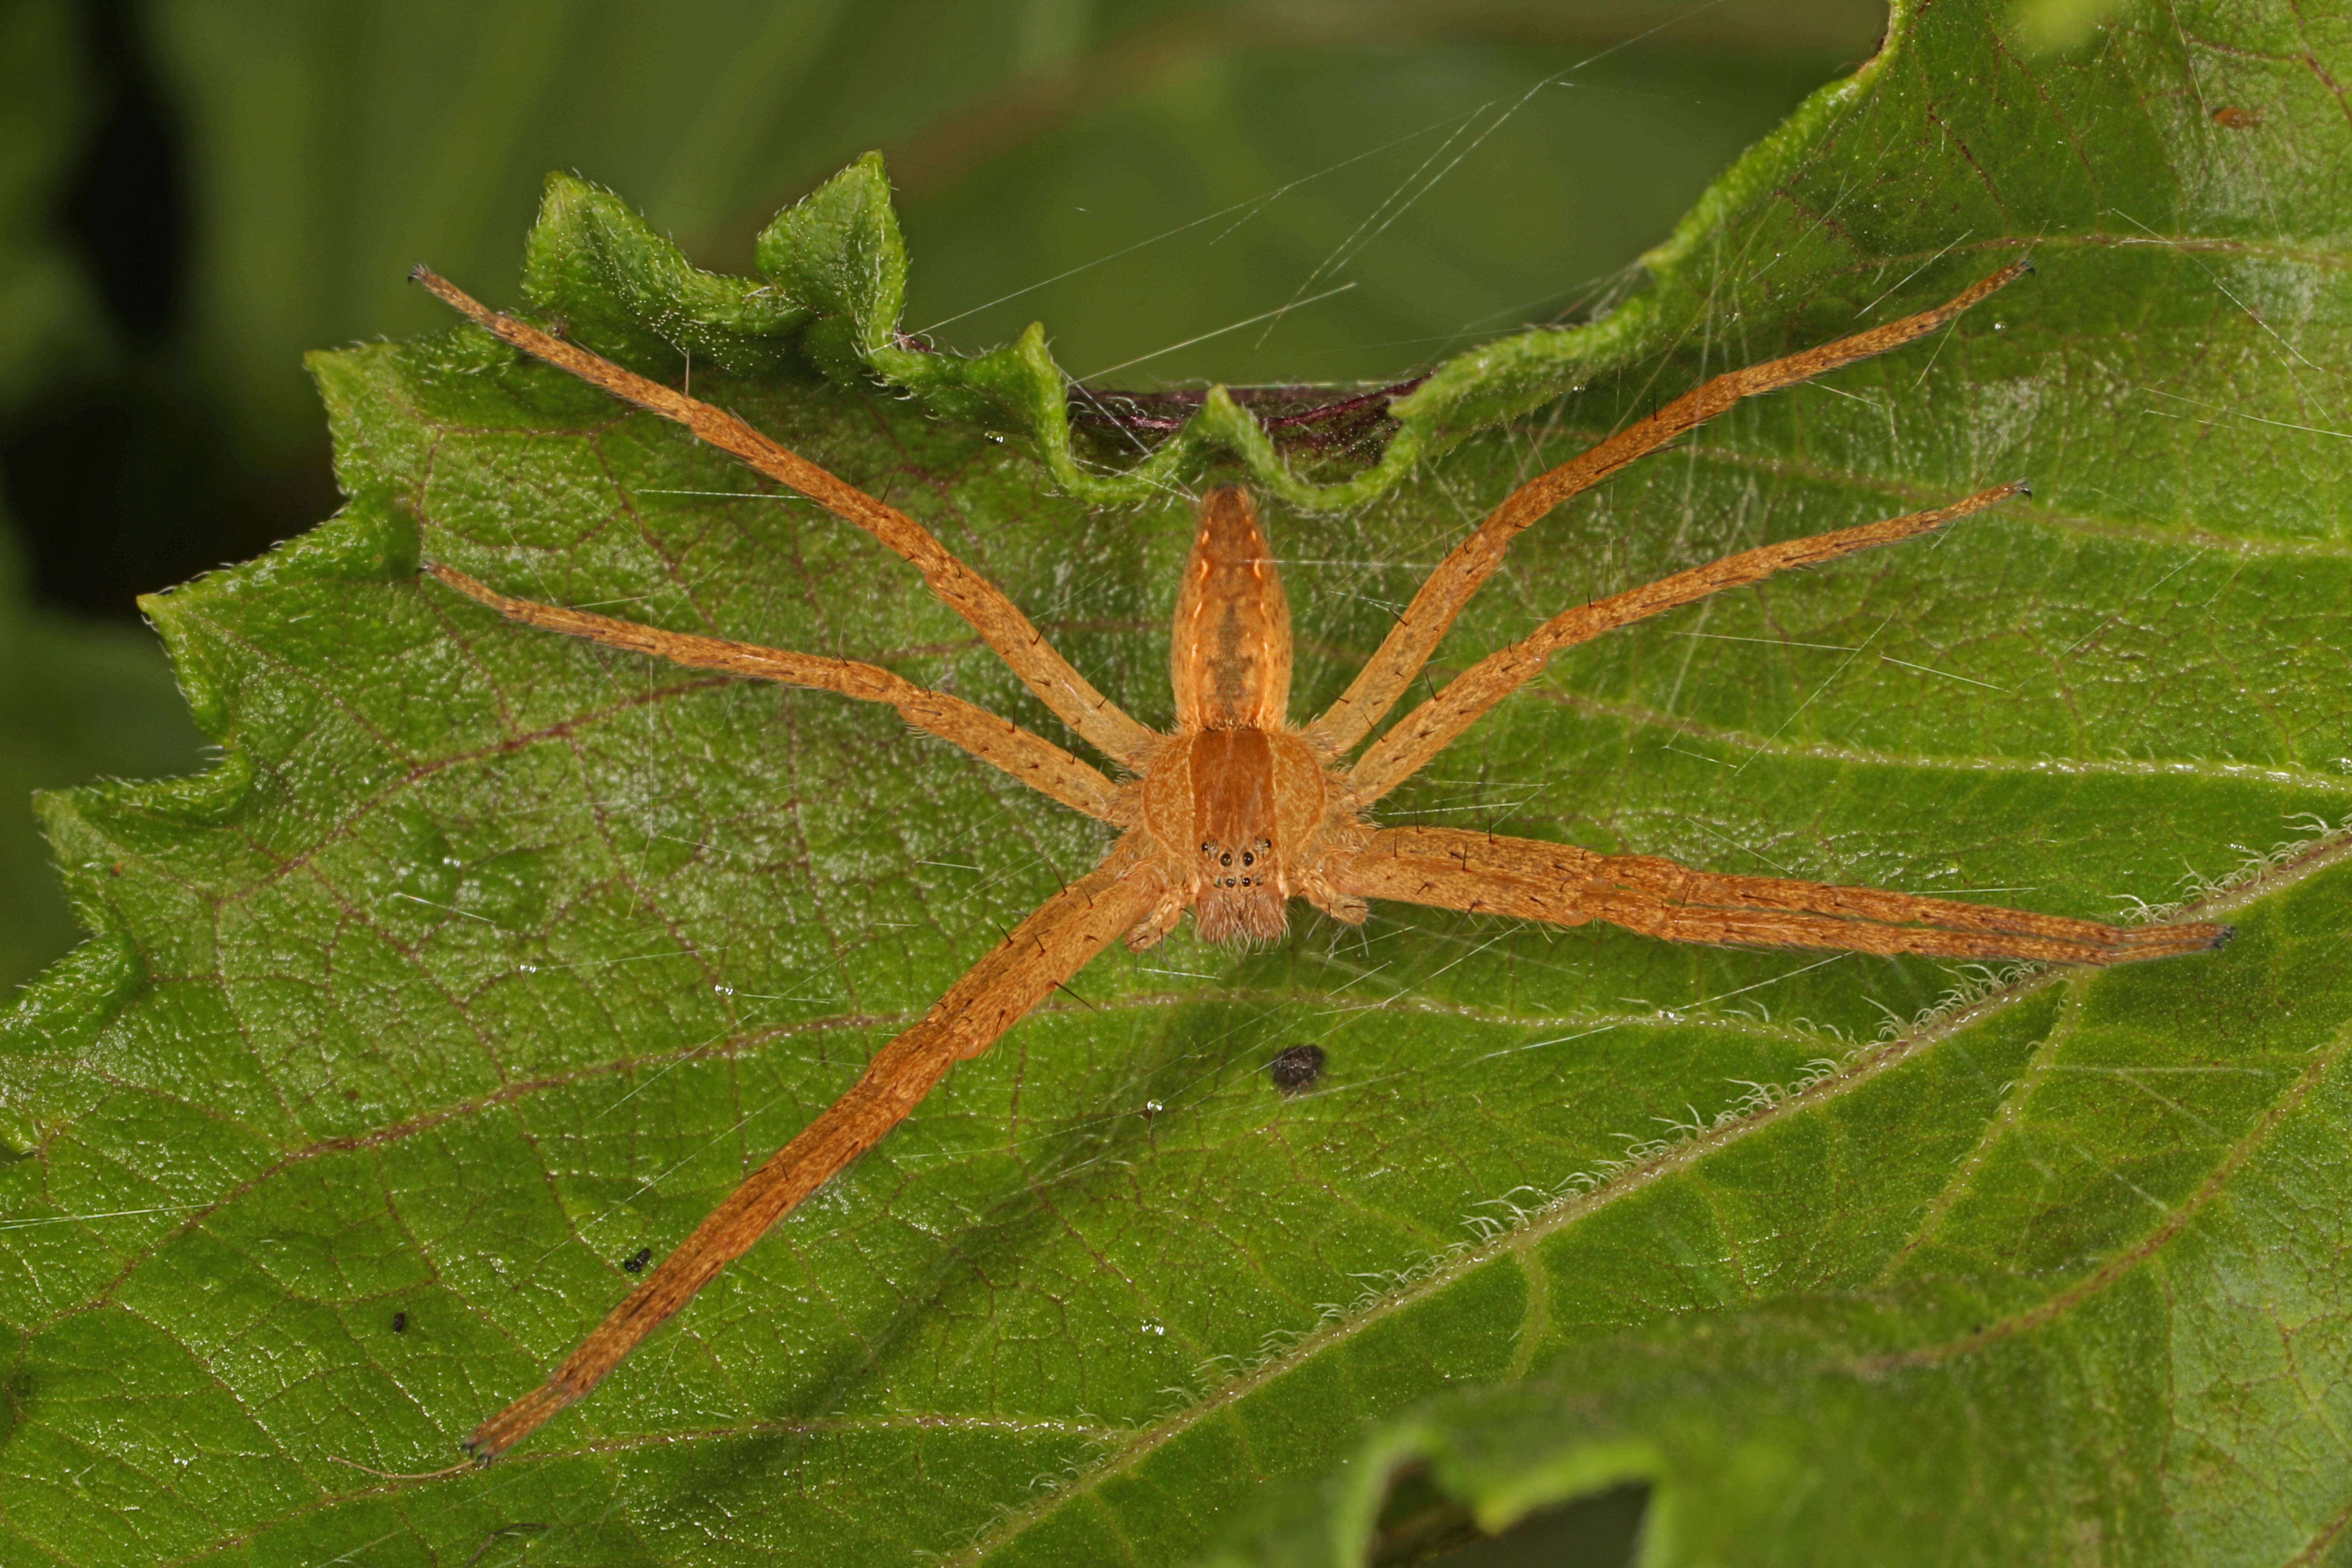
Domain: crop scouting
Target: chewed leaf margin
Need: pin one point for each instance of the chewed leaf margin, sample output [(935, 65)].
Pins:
[(832, 289)]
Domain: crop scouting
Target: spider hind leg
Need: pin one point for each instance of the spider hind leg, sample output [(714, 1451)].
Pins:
[(1564, 885), (1037, 956)]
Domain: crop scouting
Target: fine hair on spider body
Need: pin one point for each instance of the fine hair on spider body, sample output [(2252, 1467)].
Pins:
[(1237, 810)]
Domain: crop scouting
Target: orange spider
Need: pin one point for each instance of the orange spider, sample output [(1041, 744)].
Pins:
[(1239, 810)]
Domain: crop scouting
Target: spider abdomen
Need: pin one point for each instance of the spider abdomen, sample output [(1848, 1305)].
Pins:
[(1229, 654)]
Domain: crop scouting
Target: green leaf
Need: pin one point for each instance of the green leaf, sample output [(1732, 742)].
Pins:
[(487, 957)]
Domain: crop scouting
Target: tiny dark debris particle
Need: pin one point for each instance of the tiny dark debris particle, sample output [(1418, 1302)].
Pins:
[(400, 1323), (1297, 1069), (635, 1262)]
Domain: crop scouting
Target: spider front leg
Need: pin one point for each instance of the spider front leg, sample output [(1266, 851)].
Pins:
[(1391, 670), (1429, 729), (1562, 885), (1030, 758), (1043, 951), (979, 602)]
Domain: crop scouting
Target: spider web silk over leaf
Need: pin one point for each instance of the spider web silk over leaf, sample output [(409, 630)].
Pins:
[(486, 958)]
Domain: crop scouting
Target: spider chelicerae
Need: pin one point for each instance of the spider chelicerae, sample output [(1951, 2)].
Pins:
[(1238, 810)]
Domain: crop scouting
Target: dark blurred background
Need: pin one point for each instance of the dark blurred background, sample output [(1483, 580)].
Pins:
[(195, 192)]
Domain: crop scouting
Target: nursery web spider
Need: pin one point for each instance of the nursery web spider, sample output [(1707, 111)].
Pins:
[(1238, 810)]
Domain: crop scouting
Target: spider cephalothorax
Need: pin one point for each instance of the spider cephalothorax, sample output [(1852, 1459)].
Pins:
[(1236, 811)]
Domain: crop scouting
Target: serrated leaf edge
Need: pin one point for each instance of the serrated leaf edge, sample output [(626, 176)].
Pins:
[(834, 285)]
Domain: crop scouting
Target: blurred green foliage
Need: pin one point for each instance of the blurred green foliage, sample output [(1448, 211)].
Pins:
[(76, 700), (339, 145), (47, 317)]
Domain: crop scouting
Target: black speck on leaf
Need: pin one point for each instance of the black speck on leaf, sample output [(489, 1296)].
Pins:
[(1297, 1069)]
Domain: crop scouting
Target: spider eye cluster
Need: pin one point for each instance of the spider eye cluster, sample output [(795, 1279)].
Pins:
[(1250, 856)]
